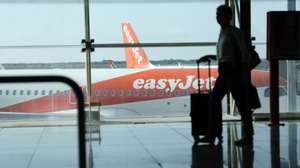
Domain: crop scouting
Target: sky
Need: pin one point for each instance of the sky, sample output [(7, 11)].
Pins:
[(52, 32)]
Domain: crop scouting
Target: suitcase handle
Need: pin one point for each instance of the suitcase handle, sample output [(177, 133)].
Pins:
[(206, 58)]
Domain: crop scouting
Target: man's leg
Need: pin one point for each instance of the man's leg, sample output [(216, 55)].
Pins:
[(215, 107), (239, 93), (247, 124)]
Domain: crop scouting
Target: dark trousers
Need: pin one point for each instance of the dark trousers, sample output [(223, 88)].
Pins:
[(232, 80)]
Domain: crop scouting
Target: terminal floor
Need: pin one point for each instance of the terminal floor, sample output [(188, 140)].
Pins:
[(160, 145)]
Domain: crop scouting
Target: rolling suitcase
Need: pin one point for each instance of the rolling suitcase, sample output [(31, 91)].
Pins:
[(199, 104)]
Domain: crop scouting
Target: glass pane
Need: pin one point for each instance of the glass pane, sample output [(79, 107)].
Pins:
[(259, 11), (40, 33), (43, 23), (38, 125), (156, 22), (289, 148), (289, 89), (39, 121)]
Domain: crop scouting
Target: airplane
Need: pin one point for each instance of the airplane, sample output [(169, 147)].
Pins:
[(141, 89)]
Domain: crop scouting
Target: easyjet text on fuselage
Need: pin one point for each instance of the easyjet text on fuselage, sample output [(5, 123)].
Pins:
[(170, 84)]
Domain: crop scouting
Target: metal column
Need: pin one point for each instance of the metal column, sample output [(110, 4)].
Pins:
[(291, 73), (275, 146), (274, 93), (88, 49), (246, 20)]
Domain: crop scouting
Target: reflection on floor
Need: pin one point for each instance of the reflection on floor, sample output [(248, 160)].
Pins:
[(164, 145)]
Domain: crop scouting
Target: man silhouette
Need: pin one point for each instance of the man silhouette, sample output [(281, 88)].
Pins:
[(233, 60)]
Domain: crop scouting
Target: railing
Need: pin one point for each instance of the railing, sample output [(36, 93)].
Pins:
[(80, 105), (178, 44)]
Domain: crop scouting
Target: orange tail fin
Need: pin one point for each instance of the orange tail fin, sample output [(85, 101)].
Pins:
[(136, 56)]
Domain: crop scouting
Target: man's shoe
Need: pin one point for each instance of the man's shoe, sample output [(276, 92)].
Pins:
[(244, 142)]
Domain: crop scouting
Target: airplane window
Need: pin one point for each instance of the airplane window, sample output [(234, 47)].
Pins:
[(185, 92), (113, 93), (161, 93), (36, 92), (169, 93), (65, 92), (43, 92), (28, 92), (267, 92), (57, 92), (128, 93), (105, 93), (153, 93), (50, 92), (145, 92), (21, 92), (7, 92), (136, 92), (97, 92), (282, 92), (14, 92), (0, 92), (177, 93), (120, 93)]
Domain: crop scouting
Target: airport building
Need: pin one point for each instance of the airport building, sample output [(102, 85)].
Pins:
[(117, 83)]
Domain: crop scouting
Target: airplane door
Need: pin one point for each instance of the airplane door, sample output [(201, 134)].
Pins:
[(71, 97)]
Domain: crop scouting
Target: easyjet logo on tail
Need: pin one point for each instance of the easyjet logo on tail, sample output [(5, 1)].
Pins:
[(169, 85), (135, 56), (135, 50)]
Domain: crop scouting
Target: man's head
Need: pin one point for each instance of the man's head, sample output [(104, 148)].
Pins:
[(224, 15)]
